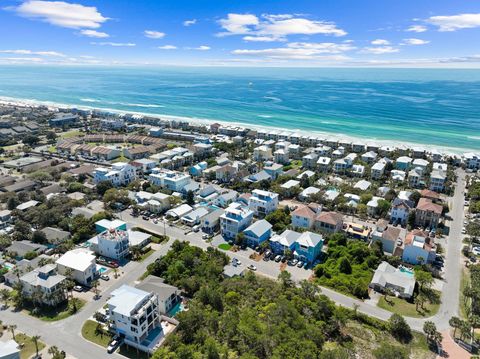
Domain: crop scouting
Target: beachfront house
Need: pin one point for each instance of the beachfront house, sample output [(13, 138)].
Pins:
[(44, 285), (387, 276), (235, 219), (120, 174), (81, 265), (308, 247), (257, 233), (427, 213), (403, 163), (263, 202), (281, 243), (419, 248)]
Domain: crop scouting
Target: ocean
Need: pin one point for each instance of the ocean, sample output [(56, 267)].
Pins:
[(434, 107)]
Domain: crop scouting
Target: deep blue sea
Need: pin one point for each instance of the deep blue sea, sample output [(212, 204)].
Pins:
[(438, 107)]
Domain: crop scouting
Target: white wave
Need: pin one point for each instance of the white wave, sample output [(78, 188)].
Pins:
[(474, 137), (141, 105), (89, 100), (272, 98), (264, 116)]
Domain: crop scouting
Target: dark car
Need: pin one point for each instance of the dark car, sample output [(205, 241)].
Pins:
[(278, 258)]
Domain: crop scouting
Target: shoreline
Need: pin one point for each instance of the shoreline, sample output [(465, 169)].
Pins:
[(5, 100)]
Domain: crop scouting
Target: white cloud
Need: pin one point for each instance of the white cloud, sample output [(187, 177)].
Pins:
[(299, 51), (17, 60), (275, 27), (151, 34), (167, 47), (94, 33), (238, 24), (260, 38), (415, 42), (417, 28), (202, 48), (60, 13), (189, 22), (115, 44), (455, 22), (380, 42), (380, 50), (30, 52)]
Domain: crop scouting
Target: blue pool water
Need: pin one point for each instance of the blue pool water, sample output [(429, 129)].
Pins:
[(179, 307), (407, 272), (101, 270)]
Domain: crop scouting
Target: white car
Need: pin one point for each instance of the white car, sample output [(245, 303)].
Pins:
[(237, 261), (252, 267), (476, 251)]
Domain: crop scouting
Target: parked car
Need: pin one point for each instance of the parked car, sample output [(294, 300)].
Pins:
[(278, 258), (476, 251), (105, 277), (252, 267), (205, 236), (300, 264), (113, 345), (237, 261), (293, 262), (78, 288), (266, 258)]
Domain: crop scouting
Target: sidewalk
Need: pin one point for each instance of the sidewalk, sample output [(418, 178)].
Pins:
[(451, 349)]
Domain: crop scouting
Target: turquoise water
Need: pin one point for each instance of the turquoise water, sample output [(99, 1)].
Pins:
[(437, 106), (176, 309), (407, 272), (101, 270)]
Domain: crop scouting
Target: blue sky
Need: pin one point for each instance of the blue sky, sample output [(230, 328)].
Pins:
[(435, 33)]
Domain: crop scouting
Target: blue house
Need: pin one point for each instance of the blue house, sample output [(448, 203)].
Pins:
[(308, 247), (198, 169), (257, 233), (280, 243)]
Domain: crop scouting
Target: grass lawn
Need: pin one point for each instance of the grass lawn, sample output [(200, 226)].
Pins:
[(89, 332), (59, 312), (70, 134), (28, 347), (52, 149), (464, 282), (224, 246), (146, 255), (132, 353), (402, 307)]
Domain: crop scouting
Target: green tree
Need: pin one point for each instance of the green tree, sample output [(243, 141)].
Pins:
[(430, 330), (190, 198), (35, 340), (455, 323), (399, 328), (56, 353), (103, 187), (345, 266)]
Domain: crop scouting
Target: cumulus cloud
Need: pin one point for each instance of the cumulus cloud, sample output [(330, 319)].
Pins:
[(415, 42), (30, 52), (94, 33), (455, 22), (152, 34), (380, 42), (60, 13), (275, 27), (167, 47), (114, 44), (379, 50), (416, 28), (189, 22), (298, 50), (202, 48)]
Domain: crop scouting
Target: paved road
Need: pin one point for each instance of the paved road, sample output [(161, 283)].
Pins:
[(66, 334)]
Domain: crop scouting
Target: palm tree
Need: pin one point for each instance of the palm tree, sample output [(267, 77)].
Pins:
[(12, 328), (56, 353), (386, 293), (95, 287), (35, 340), (5, 295), (455, 323), (115, 273)]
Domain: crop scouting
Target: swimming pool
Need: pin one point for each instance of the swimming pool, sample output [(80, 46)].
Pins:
[(177, 308), (101, 269), (8, 265), (407, 271)]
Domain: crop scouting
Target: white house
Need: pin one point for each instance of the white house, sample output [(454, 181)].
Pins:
[(262, 153), (44, 284), (120, 174), (81, 263), (134, 314), (172, 180), (419, 248), (378, 169), (437, 181), (263, 202), (235, 219), (387, 276), (112, 243)]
